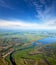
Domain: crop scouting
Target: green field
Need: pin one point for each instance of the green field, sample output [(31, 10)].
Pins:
[(18, 43)]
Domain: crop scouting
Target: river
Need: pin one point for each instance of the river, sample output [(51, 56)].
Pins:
[(43, 41)]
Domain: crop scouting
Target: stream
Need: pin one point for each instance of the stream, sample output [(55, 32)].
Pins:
[(11, 57), (34, 44)]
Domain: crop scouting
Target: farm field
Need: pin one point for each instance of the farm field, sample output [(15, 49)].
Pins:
[(27, 48)]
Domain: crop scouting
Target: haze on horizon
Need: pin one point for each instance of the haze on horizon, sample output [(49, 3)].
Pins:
[(28, 14)]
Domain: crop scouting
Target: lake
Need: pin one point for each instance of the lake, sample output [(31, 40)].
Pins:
[(47, 40)]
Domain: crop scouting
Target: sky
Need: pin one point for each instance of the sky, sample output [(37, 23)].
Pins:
[(28, 14)]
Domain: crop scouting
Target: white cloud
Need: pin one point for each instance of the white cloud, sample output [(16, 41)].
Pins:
[(47, 12), (24, 25)]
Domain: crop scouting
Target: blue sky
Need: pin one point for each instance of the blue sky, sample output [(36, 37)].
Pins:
[(35, 14)]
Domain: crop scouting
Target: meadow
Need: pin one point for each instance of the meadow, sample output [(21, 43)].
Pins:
[(21, 48)]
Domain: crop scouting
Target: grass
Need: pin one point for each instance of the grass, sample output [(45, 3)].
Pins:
[(19, 56), (3, 61), (8, 60), (22, 56), (51, 60)]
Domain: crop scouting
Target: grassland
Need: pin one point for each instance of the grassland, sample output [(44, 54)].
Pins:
[(10, 42)]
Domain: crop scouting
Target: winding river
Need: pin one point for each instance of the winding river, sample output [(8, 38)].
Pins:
[(43, 41), (12, 60)]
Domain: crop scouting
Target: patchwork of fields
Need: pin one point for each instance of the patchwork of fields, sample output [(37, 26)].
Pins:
[(20, 48)]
